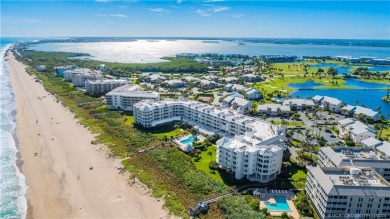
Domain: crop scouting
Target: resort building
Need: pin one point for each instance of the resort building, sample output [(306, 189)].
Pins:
[(248, 157), (274, 110), (124, 98), (206, 84), (382, 147), (357, 110), (299, 104), (103, 86), (380, 61), (235, 88), (251, 78), (78, 76), (79, 80), (61, 69), (154, 79), (328, 103), (347, 191), (252, 94), (355, 156), (190, 78), (174, 83), (242, 134), (236, 103), (356, 130), (229, 79)]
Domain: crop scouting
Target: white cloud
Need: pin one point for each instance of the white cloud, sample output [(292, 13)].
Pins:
[(160, 10), (101, 15), (238, 15), (32, 20), (179, 1), (211, 11), (119, 15), (219, 9)]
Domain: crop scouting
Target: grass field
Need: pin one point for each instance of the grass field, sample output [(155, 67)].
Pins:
[(129, 120), (203, 164), (168, 131), (281, 84)]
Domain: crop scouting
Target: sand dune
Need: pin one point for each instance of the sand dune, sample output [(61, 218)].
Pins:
[(60, 183)]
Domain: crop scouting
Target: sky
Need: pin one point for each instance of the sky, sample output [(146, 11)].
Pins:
[(199, 18)]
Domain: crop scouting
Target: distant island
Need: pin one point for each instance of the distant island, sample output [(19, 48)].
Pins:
[(292, 41)]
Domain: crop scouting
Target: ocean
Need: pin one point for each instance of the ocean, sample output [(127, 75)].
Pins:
[(146, 51), (13, 203)]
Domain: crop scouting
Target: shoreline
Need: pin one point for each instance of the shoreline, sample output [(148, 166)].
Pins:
[(59, 183)]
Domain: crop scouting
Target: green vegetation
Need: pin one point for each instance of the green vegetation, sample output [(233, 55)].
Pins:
[(241, 207), (129, 120), (203, 163), (166, 132), (171, 174), (171, 65), (303, 205), (288, 123)]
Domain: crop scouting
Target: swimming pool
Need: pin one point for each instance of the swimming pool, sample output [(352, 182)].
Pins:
[(188, 140), (280, 205)]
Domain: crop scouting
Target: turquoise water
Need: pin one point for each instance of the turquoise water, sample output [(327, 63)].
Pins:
[(12, 184), (308, 84), (188, 140), (280, 205)]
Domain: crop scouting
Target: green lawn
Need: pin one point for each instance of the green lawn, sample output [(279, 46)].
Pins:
[(385, 132), (163, 131), (281, 84), (129, 120), (203, 164)]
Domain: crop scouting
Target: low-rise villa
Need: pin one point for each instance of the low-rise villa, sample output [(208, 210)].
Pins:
[(356, 130), (274, 110), (299, 104)]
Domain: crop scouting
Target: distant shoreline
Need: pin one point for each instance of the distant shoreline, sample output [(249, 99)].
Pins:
[(288, 41)]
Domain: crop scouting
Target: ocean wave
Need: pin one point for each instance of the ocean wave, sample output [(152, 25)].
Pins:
[(13, 203)]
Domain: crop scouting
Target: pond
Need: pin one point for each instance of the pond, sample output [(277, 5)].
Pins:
[(305, 85), (363, 84), (369, 98)]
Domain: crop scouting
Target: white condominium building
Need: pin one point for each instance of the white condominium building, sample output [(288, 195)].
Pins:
[(103, 86), (241, 133), (78, 76), (355, 156), (123, 98), (250, 157), (348, 192)]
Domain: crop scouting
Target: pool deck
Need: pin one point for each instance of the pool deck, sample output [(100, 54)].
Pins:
[(268, 196), (181, 145)]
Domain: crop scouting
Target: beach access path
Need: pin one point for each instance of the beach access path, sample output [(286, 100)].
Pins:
[(56, 155)]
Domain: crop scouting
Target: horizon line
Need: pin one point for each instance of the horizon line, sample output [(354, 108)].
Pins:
[(194, 37)]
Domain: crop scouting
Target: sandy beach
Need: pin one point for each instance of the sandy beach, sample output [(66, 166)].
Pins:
[(57, 154)]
